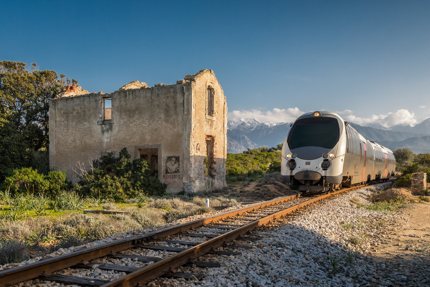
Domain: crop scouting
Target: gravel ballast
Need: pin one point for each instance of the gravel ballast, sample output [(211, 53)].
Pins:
[(329, 244)]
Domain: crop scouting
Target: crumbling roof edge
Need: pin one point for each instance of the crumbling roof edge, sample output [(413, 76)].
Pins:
[(187, 78)]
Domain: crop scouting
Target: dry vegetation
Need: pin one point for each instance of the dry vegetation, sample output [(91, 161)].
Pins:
[(38, 234)]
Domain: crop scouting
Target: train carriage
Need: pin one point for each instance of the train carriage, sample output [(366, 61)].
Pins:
[(323, 152)]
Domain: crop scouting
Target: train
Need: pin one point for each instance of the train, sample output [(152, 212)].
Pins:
[(322, 153)]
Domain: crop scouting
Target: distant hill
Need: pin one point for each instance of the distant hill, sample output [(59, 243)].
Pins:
[(251, 134), (417, 144), (419, 129)]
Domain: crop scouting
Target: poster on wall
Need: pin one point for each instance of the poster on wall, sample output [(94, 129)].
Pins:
[(172, 165)]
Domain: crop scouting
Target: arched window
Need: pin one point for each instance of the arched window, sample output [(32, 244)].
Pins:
[(211, 101)]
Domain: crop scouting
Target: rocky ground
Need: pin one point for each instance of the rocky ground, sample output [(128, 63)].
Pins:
[(337, 243)]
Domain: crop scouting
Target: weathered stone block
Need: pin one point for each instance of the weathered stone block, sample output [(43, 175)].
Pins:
[(419, 182)]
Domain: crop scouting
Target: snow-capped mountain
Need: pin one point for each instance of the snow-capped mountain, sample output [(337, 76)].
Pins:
[(249, 134)]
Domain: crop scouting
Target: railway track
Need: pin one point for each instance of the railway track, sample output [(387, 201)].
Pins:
[(179, 245)]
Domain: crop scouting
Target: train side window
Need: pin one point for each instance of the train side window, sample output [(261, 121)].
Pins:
[(348, 140), (361, 151)]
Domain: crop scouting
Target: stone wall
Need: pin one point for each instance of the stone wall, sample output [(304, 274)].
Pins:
[(205, 127), (167, 119)]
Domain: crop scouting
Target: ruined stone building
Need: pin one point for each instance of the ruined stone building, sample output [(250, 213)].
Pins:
[(180, 129)]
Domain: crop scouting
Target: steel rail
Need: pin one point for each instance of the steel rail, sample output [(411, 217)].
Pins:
[(48, 266), (153, 271)]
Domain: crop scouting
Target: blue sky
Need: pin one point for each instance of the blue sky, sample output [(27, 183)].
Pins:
[(366, 59)]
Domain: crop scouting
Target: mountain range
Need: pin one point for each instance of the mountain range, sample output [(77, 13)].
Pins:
[(251, 134)]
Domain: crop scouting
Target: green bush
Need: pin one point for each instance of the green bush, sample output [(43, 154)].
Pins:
[(57, 182), (29, 181), (25, 181), (419, 163), (119, 178), (254, 162), (403, 181)]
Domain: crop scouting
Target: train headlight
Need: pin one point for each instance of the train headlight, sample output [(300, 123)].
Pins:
[(292, 164), (330, 156), (325, 164), (289, 155)]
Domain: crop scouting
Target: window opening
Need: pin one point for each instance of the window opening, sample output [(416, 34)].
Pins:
[(107, 109), (211, 101)]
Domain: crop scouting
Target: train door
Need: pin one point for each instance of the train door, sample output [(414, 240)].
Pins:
[(385, 165), (363, 149), (371, 161)]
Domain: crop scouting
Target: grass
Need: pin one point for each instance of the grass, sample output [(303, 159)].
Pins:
[(424, 198), (356, 240), (386, 206), (347, 226), (389, 200), (42, 225)]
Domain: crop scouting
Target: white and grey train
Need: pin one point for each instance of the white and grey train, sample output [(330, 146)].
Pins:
[(323, 152)]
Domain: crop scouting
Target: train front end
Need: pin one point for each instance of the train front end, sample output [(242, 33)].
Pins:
[(314, 152)]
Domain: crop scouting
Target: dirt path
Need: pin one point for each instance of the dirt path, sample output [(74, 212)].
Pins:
[(406, 253), (414, 236)]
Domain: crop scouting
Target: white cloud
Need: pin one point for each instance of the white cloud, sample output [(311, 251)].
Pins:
[(272, 116), (280, 115), (423, 107), (399, 117)]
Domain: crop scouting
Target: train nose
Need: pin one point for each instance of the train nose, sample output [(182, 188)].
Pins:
[(308, 175)]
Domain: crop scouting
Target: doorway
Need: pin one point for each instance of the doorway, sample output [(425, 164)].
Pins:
[(150, 155), (210, 159)]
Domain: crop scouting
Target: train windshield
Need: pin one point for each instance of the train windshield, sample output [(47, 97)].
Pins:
[(316, 132)]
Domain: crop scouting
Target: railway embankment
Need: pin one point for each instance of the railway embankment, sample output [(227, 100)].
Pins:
[(363, 238)]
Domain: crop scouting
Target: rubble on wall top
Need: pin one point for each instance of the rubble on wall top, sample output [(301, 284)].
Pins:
[(192, 77), (134, 85), (74, 90)]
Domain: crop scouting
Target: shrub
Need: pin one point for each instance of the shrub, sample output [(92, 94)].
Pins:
[(119, 178), (253, 163), (29, 181), (57, 182), (12, 251), (403, 181), (25, 181)]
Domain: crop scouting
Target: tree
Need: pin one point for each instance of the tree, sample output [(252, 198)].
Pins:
[(403, 156), (24, 105)]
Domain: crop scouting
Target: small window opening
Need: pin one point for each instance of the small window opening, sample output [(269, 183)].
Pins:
[(211, 101), (107, 109)]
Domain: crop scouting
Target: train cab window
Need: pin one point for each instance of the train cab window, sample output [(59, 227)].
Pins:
[(317, 131)]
